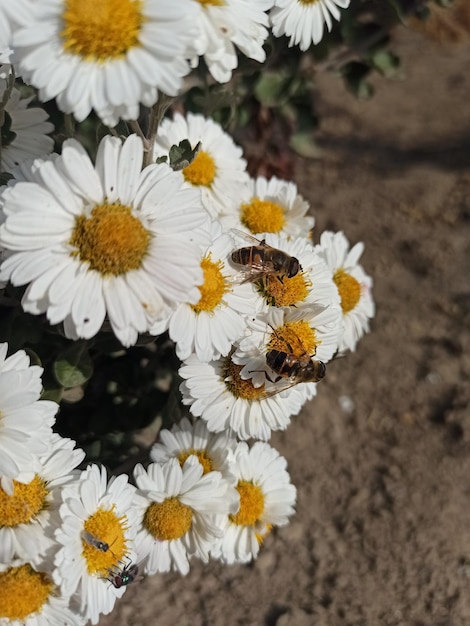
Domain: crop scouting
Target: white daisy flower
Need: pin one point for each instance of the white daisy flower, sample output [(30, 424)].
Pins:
[(217, 393), (181, 516), (213, 450), (224, 25), (218, 171), (108, 56), (30, 598), (98, 525), (303, 20), (24, 131), (297, 341), (311, 285), (353, 284), (25, 515), (25, 421), (210, 326), (102, 241), (273, 206), (267, 499)]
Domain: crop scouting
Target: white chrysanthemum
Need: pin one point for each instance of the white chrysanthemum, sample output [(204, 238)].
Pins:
[(305, 333), (216, 392), (29, 597), (213, 450), (218, 171), (25, 516), (107, 511), (24, 131), (353, 284), (311, 285), (182, 513), (303, 20), (209, 327), (273, 206), (25, 421), (109, 56), (105, 240), (267, 499), (224, 25)]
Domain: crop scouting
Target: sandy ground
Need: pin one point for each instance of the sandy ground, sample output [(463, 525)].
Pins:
[(382, 531)]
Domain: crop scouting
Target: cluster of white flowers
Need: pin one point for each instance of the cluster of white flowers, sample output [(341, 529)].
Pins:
[(223, 262), (113, 55), (71, 542)]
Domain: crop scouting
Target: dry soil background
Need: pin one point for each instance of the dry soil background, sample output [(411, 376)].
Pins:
[(382, 531)]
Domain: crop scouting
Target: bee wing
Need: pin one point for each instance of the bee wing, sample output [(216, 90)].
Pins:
[(247, 275), (282, 385), (245, 237)]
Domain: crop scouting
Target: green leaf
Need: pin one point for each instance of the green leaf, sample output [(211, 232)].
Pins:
[(385, 62), (73, 367), (183, 154), (304, 144)]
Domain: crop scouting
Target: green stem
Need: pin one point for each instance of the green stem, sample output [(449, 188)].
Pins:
[(156, 115)]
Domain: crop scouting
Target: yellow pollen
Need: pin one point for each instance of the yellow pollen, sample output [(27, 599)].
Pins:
[(349, 290), (213, 288), (237, 386), (23, 592), (107, 527), (202, 456), (262, 216), (308, 2), (112, 241), (103, 30), (251, 504), (25, 503), (201, 172), (288, 292), (296, 338), (168, 520), (212, 3)]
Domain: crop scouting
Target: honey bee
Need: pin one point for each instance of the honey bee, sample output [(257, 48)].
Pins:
[(261, 260), (293, 368)]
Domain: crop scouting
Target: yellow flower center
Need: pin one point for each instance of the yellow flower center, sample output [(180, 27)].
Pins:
[(202, 456), (25, 503), (103, 30), (107, 527), (213, 288), (201, 172), (288, 292), (349, 290), (296, 338), (237, 386), (111, 240), (262, 216), (23, 592), (168, 520), (251, 504), (308, 2)]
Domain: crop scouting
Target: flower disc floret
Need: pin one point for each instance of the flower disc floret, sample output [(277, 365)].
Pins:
[(214, 286), (262, 216), (25, 503), (202, 171), (251, 504), (101, 30), (23, 592), (107, 527), (112, 240), (349, 290), (168, 520)]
